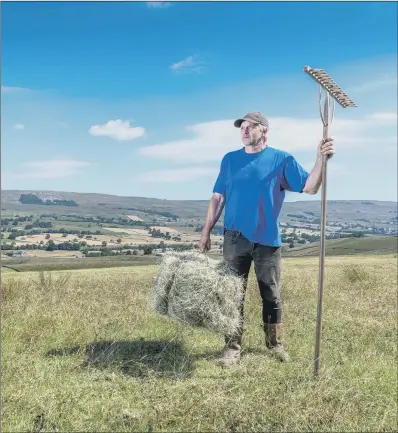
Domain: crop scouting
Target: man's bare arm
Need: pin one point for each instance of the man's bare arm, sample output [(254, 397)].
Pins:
[(214, 211), (314, 180), (216, 206)]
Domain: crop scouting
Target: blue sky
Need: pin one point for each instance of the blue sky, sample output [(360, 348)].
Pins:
[(139, 99)]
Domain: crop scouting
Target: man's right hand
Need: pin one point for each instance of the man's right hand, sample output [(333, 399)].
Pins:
[(204, 243)]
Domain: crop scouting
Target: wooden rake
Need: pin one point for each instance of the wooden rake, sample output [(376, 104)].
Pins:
[(332, 93)]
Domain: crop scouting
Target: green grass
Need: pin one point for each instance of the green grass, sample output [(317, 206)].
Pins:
[(73, 225), (81, 351), (348, 246), (63, 263)]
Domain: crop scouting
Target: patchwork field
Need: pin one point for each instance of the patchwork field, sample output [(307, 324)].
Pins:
[(126, 235), (134, 218), (141, 235), (164, 229), (55, 253), (58, 238), (82, 351)]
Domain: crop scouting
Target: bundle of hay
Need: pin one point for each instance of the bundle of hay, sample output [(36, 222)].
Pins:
[(198, 291)]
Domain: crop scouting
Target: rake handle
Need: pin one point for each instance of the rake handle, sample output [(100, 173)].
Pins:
[(325, 121)]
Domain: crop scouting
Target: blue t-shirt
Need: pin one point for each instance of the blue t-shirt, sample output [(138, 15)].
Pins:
[(254, 186)]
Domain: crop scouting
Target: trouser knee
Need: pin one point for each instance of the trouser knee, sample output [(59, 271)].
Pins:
[(272, 304), (272, 312)]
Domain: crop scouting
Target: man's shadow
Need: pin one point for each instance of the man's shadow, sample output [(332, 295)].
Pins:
[(136, 358)]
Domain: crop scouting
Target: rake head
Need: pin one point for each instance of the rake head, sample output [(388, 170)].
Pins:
[(322, 78)]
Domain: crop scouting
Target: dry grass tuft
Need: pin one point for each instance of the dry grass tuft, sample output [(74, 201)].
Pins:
[(198, 291), (355, 273)]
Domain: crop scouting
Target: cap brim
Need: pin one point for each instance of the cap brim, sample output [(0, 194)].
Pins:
[(238, 122)]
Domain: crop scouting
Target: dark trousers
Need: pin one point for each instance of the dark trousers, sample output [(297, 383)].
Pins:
[(239, 252)]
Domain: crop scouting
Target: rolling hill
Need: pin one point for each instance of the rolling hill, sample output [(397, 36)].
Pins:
[(373, 212), (349, 246)]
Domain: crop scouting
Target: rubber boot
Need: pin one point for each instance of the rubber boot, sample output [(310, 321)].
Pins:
[(232, 351), (273, 341)]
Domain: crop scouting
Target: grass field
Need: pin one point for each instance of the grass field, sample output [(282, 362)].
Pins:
[(43, 264), (349, 246), (81, 351), (53, 254)]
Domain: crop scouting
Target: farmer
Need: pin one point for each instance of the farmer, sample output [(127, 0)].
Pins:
[(251, 185)]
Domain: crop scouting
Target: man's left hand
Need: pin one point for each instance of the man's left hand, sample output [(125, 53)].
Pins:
[(325, 147)]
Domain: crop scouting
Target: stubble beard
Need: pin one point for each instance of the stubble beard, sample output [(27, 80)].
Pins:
[(253, 142)]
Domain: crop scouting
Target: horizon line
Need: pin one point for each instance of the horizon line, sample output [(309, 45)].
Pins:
[(192, 200)]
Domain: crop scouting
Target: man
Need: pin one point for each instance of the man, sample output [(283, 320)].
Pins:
[(251, 186)]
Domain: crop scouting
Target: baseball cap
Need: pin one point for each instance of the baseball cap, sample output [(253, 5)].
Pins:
[(254, 117)]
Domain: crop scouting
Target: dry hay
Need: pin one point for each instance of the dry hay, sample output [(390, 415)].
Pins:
[(198, 291)]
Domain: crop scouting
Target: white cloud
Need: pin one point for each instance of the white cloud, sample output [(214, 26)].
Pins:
[(158, 5), (374, 85), (52, 169), (19, 126), (190, 64), (334, 167), (63, 125), (118, 130), (211, 140), (177, 175), (12, 89), (387, 118)]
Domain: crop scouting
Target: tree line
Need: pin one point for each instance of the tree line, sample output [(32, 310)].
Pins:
[(34, 199)]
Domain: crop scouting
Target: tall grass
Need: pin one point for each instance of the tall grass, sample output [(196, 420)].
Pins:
[(82, 351), (356, 273)]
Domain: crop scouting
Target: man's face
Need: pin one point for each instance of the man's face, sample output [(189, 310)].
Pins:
[(250, 133)]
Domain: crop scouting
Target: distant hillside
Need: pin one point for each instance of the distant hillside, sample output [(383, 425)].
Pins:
[(103, 204), (369, 212), (350, 246)]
